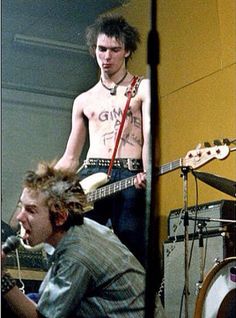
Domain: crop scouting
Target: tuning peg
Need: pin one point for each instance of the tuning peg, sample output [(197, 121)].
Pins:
[(198, 147), (226, 141), (207, 144), (217, 142)]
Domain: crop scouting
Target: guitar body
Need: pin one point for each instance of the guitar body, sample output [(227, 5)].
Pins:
[(91, 183), (94, 181)]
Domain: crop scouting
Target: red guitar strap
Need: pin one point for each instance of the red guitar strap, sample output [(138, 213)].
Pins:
[(129, 95)]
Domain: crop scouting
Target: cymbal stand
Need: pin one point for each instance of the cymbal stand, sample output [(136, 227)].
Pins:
[(185, 171), (201, 225)]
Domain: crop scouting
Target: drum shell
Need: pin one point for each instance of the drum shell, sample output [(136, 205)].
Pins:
[(217, 296)]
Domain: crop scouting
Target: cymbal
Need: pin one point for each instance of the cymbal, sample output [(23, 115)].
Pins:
[(224, 185)]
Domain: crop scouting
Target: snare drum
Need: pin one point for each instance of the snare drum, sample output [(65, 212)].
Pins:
[(217, 296)]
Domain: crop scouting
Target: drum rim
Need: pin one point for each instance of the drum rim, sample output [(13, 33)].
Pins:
[(208, 278)]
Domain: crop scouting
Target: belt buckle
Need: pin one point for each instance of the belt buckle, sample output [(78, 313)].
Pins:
[(131, 165), (86, 163)]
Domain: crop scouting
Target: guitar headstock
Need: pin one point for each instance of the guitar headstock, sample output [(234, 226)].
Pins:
[(198, 157)]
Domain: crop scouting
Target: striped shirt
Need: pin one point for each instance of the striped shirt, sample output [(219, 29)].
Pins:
[(92, 274)]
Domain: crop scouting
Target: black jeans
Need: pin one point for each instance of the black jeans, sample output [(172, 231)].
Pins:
[(125, 210)]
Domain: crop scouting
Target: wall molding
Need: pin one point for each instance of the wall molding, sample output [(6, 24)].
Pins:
[(13, 98), (33, 41), (39, 90)]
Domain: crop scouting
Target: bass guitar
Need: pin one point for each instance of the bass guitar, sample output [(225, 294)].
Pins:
[(93, 185)]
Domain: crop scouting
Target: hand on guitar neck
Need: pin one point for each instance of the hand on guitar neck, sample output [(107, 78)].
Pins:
[(140, 180)]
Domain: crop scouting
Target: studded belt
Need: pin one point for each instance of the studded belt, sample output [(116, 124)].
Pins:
[(126, 163)]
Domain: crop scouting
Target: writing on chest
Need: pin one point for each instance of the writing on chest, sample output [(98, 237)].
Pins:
[(115, 115)]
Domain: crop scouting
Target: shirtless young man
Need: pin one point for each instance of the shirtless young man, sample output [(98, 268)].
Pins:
[(98, 112)]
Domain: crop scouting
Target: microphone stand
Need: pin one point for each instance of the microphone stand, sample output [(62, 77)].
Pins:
[(152, 226), (185, 171)]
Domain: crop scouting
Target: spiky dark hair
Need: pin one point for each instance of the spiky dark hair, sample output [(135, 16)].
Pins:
[(116, 26)]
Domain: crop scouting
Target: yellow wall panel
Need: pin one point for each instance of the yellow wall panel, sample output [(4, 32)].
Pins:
[(189, 38), (198, 112), (227, 18)]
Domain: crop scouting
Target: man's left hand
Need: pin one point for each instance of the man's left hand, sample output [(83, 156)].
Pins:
[(140, 180)]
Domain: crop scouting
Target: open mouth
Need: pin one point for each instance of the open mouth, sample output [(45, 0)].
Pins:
[(27, 234), (24, 234)]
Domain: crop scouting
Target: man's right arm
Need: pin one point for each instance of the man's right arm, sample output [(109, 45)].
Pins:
[(74, 147), (21, 305)]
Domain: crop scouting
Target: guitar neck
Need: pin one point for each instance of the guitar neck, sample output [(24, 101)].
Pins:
[(169, 166), (117, 186), (194, 159), (110, 189)]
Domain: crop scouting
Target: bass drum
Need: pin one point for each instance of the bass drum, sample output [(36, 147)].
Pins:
[(217, 296)]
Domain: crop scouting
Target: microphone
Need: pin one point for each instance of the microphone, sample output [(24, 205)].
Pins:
[(12, 242)]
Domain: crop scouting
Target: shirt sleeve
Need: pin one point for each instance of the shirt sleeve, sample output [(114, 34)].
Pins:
[(63, 289)]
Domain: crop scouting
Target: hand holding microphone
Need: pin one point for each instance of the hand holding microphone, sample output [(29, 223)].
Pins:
[(7, 282), (12, 242)]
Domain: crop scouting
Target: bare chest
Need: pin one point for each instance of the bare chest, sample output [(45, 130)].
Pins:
[(107, 110)]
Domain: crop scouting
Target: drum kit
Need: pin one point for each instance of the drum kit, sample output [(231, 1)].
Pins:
[(217, 294)]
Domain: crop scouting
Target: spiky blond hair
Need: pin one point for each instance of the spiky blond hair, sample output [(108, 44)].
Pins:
[(61, 188)]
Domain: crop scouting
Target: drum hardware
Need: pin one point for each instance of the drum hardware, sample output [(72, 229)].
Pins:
[(174, 270), (201, 224), (233, 274), (217, 261), (198, 287), (202, 257), (217, 233), (186, 218)]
